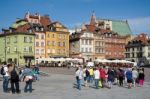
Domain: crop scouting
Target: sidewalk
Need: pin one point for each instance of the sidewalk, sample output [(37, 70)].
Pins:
[(61, 87)]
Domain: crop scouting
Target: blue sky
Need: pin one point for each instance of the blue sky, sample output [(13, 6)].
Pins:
[(75, 12)]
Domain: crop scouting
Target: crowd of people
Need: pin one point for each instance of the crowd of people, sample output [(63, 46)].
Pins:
[(13, 75), (106, 77)]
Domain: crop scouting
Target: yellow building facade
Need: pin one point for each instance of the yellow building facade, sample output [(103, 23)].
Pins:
[(57, 40)]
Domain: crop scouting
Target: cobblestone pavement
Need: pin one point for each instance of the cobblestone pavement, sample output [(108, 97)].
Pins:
[(60, 86)]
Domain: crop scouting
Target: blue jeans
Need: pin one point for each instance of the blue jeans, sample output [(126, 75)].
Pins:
[(78, 83), (96, 83), (5, 83), (28, 83)]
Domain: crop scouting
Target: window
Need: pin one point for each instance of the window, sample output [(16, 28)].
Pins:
[(132, 49), (30, 49), (86, 42), (8, 49), (97, 50), (15, 39), (42, 37), (58, 43), (37, 44), (25, 39), (86, 50), (48, 35), (53, 50), (82, 50), (48, 43), (37, 36), (30, 31), (42, 51), (37, 28), (15, 49), (90, 42), (26, 49), (30, 39), (42, 29), (64, 44), (53, 35), (133, 55), (37, 51), (53, 43), (90, 50), (42, 44)]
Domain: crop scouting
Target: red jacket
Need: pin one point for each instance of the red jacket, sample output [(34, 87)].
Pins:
[(102, 73)]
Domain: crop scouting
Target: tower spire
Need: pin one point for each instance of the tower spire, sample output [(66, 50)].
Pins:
[(93, 18)]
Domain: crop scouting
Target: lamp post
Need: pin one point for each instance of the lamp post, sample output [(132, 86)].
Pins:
[(18, 57)]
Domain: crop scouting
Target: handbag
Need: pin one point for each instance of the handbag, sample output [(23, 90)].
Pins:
[(26, 78), (100, 83)]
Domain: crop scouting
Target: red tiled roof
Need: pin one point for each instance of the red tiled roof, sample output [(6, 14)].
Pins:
[(142, 37), (45, 21)]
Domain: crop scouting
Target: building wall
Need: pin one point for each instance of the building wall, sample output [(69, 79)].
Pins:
[(2, 49), (58, 48), (115, 47), (99, 46), (15, 48), (39, 48), (86, 45)]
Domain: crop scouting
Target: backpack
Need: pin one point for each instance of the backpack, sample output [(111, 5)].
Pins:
[(14, 75), (2, 71)]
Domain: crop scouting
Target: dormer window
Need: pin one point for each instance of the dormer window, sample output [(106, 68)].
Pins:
[(30, 31), (42, 29), (37, 29)]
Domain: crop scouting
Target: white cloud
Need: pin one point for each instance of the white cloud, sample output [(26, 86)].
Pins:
[(140, 25)]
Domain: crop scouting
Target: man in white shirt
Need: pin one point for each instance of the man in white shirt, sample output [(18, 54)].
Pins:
[(5, 78), (79, 76), (96, 77)]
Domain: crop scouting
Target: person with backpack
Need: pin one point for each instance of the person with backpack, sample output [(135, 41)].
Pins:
[(6, 76), (14, 79)]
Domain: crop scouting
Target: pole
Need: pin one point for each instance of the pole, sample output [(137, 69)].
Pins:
[(18, 58)]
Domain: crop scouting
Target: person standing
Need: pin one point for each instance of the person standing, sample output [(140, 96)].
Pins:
[(79, 76), (135, 76), (110, 77), (121, 76), (27, 77), (129, 77), (103, 76), (96, 77), (6, 77), (14, 79), (91, 71), (141, 78)]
